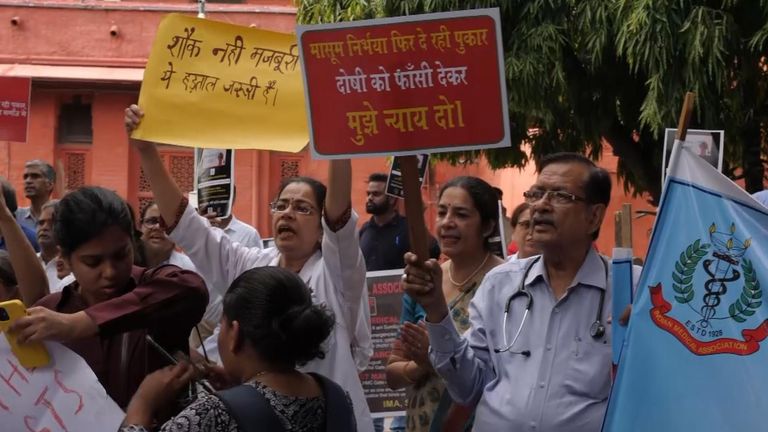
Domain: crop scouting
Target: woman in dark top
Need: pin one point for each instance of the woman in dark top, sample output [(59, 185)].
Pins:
[(9, 288), (269, 327), (106, 313)]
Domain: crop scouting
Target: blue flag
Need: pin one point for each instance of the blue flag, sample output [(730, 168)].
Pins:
[(621, 283), (695, 356)]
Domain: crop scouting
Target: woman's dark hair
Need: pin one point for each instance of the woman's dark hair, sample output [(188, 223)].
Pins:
[(9, 193), (139, 254), (144, 211), (277, 317), (483, 197), (84, 214), (318, 189), (517, 212), (10, 289), (7, 275)]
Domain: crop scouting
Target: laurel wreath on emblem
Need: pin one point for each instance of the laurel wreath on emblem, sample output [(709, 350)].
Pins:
[(685, 267), (751, 294)]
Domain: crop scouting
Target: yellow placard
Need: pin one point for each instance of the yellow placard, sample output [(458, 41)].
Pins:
[(215, 85)]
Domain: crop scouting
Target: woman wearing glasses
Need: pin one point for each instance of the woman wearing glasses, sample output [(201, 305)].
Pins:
[(466, 216), (315, 236), (158, 248)]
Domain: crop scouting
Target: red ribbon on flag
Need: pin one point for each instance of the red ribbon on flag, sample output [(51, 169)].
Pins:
[(749, 345)]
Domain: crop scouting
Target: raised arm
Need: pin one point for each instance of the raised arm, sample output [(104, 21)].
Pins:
[(214, 255), (339, 197), (344, 261), (167, 194), (32, 282)]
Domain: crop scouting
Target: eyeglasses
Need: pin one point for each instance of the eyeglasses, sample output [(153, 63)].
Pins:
[(153, 222), (555, 197), (282, 206)]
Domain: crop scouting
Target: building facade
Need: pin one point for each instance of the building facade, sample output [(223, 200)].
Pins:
[(86, 62)]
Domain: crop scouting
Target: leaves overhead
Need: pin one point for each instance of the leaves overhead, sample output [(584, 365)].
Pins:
[(585, 72)]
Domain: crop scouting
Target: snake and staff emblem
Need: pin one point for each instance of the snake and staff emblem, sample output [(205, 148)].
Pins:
[(720, 266), (723, 262), (721, 269)]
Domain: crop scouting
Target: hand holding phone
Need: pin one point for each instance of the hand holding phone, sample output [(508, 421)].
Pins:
[(32, 354)]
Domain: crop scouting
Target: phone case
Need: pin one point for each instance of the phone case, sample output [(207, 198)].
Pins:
[(30, 354)]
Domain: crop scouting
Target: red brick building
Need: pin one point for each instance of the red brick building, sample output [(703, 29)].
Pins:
[(86, 60)]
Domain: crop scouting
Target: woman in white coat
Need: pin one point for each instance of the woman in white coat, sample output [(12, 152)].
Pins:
[(315, 236)]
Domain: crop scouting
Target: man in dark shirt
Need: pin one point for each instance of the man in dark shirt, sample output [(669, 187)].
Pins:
[(384, 238)]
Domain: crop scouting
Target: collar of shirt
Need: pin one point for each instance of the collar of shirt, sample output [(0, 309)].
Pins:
[(26, 213), (232, 225), (592, 272), (392, 222)]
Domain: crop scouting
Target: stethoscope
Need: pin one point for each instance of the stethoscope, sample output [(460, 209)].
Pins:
[(596, 330)]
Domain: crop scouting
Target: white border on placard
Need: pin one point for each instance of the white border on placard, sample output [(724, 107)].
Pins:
[(506, 140), (668, 143), (29, 109)]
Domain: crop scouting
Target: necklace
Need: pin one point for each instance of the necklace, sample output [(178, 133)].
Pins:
[(258, 374), (474, 273)]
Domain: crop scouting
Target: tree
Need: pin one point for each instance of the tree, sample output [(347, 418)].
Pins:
[(582, 73)]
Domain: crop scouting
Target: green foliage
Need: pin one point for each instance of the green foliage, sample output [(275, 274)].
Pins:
[(582, 72), (751, 295), (685, 267)]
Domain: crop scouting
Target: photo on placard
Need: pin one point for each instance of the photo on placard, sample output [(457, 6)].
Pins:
[(212, 161), (707, 144), (395, 179), (214, 175)]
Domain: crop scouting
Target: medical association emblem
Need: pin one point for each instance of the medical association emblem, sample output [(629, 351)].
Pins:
[(716, 292)]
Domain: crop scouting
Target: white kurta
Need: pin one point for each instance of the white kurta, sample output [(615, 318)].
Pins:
[(336, 277)]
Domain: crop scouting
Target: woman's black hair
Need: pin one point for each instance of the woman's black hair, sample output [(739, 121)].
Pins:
[(144, 211), (483, 197), (87, 212), (318, 189), (277, 317), (517, 212), (7, 275), (139, 253)]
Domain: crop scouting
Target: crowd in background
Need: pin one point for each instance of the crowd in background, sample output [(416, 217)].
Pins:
[(273, 336)]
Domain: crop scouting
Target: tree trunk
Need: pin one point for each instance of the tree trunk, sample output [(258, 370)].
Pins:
[(750, 159)]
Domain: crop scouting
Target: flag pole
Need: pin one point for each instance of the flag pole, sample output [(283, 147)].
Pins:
[(681, 132), (685, 116), (414, 207)]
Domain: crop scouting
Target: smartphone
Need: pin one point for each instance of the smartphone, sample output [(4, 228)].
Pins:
[(31, 354)]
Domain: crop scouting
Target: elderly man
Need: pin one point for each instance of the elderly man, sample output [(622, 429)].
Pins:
[(538, 354), (49, 251), (39, 182)]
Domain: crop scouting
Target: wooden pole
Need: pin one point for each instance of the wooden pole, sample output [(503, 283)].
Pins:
[(414, 207), (685, 116), (626, 226)]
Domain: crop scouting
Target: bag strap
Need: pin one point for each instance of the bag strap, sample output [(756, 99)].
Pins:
[(339, 415), (253, 413), (250, 409)]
